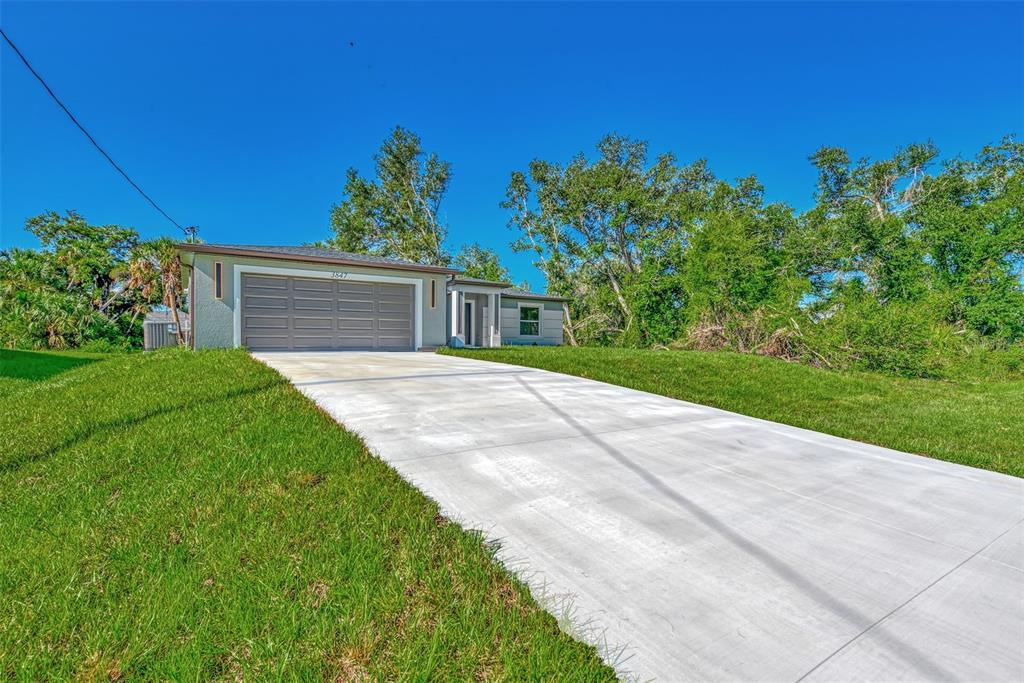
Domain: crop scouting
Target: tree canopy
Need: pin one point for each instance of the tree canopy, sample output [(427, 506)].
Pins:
[(87, 283), (396, 214), (899, 260), (481, 262)]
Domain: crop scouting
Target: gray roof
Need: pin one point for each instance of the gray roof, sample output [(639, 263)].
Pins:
[(335, 254), (479, 281), (310, 252), (507, 290), (523, 294)]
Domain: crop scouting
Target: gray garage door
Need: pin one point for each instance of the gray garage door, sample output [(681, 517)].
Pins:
[(291, 313)]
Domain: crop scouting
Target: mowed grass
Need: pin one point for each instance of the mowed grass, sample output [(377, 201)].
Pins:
[(190, 516), (973, 422)]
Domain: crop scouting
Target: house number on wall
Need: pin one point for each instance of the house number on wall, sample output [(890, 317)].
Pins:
[(339, 276)]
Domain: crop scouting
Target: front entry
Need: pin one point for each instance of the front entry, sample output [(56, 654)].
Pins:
[(469, 321)]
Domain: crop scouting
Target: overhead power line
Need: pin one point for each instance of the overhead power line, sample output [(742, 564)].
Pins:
[(189, 231)]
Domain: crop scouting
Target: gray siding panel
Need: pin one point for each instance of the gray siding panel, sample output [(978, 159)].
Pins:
[(550, 322), (289, 313)]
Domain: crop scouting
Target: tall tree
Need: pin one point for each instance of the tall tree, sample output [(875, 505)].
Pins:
[(396, 214), (607, 231), (737, 262), (970, 224), (480, 262), (904, 234), (859, 226)]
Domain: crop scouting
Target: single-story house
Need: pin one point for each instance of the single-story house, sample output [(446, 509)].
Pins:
[(307, 298)]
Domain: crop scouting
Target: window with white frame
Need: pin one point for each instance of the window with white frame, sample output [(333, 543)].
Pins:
[(529, 321)]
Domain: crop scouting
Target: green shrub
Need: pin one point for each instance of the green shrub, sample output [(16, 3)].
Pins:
[(987, 362), (898, 338)]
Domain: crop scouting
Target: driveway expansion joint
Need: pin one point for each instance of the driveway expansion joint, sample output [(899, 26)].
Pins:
[(909, 600)]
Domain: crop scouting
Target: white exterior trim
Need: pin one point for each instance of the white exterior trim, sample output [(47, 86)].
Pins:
[(474, 289), (417, 284), (453, 320), (493, 317)]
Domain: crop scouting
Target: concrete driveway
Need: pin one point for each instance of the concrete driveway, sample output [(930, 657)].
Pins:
[(695, 543)]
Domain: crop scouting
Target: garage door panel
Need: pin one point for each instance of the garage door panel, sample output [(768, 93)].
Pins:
[(266, 322), (355, 288), (355, 323), (266, 292), (366, 342), (393, 306), (325, 286), (260, 281), (275, 302), (284, 313), (266, 343), (388, 324), (395, 301), (355, 306), (313, 342), (302, 303), (401, 301), (301, 323)]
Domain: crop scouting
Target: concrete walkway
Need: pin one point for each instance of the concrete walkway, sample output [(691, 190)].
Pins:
[(708, 545)]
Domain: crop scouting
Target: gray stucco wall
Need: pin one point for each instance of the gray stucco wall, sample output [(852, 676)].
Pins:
[(214, 318), (550, 321)]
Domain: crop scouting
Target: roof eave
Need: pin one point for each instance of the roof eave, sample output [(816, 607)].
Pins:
[(482, 283), (230, 251), (535, 297)]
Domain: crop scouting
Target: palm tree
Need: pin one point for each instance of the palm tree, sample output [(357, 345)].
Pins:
[(158, 270)]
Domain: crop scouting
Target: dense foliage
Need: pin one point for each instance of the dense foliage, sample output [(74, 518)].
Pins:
[(88, 285), (482, 263), (395, 215), (902, 265)]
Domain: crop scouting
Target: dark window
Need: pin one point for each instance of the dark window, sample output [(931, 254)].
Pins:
[(218, 280), (529, 321), (433, 293)]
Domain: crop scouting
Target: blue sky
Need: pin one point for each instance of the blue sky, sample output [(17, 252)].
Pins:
[(241, 118)]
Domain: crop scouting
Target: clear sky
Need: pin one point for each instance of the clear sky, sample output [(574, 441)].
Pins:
[(241, 118)]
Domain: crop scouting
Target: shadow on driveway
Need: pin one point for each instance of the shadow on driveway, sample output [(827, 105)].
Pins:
[(917, 659)]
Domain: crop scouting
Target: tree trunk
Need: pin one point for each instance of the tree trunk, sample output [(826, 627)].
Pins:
[(626, 311), (172, 301), (171, 281), (567, 324)]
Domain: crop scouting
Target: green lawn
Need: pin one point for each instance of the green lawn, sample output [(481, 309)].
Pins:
[(190, 516), (974, 422)]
